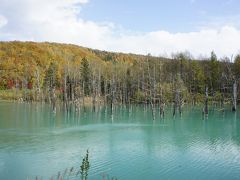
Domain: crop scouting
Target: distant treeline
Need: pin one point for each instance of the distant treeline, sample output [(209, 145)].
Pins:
[(71, 74)]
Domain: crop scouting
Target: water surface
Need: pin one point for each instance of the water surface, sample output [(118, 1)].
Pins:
[(128, 145)]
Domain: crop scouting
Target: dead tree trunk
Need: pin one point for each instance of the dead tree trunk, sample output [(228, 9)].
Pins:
[(94, 94), (180, 103), (205, 110), (151, 93), (72, 84), (99, 87), (154, 92), (176, 102), (162, 104), (83, 88), (53, 99), (105, 92), (38, 89), (65, 97), (234, 99), (113, 88), (222, 97), (144, 88), (17, 88)]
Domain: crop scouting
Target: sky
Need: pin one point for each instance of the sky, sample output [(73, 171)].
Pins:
[(133, 26)]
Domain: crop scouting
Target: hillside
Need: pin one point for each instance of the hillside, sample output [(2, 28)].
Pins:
[(41, 69), (20, 60)]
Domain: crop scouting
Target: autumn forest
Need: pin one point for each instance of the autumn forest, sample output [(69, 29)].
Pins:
[(74, 75)]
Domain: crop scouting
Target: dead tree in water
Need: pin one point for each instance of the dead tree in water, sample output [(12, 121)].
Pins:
[(161, 98), (94, 93), (53, 98), (112, 94), (105, 87), (234, 99), (222, 96), (65, 97), (177, 103), (95, 86), (205, 110), (38, 88), (152, 91), (162, 104), (180, 105), (51, 80), (177, 96)]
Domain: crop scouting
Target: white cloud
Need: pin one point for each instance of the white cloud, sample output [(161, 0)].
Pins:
[(3, 21), (55, 20), (224, 42), (59, 21)]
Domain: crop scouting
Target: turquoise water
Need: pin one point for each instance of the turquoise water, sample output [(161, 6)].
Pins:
[(128, 145)]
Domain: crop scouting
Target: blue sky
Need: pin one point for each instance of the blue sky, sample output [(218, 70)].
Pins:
[(132, 26), (169, 15)]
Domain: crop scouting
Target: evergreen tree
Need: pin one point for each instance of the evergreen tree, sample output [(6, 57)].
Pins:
[(214, 72), (51, 75), (237, 66), (85, 75)]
